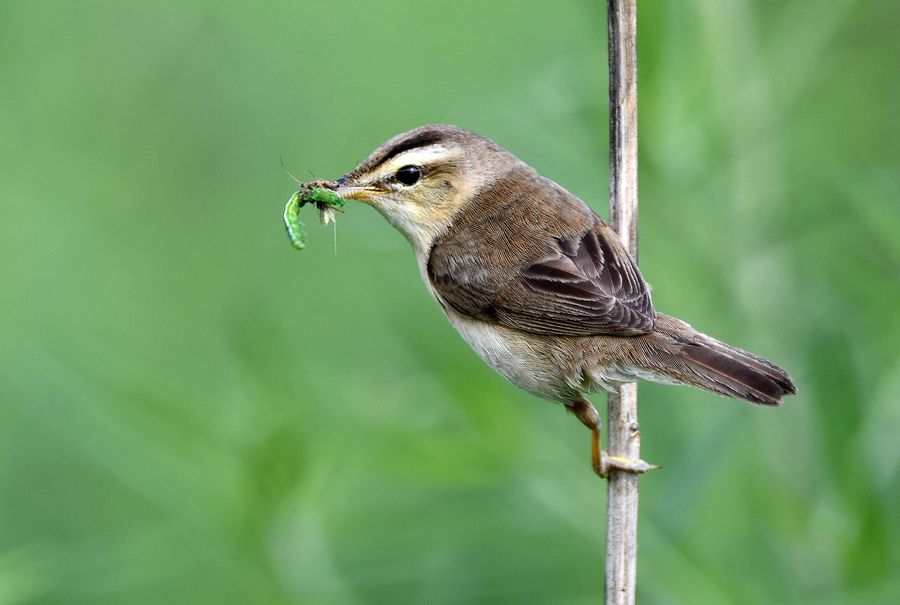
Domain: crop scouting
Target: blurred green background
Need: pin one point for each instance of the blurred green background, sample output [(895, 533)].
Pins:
[(192, 412)]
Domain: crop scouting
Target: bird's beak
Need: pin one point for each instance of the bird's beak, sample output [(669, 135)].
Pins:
[(356, 193)]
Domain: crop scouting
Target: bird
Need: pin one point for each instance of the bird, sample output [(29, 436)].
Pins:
[(538, 285)]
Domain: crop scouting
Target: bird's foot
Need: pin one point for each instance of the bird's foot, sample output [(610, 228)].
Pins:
[(603, 463), (609, 463)]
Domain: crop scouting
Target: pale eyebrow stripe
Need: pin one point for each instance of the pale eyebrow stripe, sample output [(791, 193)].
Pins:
[(423, 139), (422, 156)]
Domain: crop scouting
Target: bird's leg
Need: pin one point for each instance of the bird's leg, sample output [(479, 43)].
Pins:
[(600, 458)]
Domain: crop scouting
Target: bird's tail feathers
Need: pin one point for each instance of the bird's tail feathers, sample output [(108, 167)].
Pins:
[(676, 352)]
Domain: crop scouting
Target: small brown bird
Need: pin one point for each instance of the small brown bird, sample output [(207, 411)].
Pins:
[(537, 284)]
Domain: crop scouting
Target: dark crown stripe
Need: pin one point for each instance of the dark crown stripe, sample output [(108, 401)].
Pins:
[(423, 139)]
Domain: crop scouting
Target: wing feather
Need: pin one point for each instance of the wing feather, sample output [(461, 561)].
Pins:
[(535, 258)]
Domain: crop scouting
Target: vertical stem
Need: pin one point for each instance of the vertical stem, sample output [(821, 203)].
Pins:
[(624, 431)]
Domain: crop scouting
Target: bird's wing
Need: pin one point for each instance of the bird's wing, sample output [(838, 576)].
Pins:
[(546, 265)]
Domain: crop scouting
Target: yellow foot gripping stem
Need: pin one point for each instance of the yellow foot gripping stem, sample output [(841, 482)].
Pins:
[(604, 463)]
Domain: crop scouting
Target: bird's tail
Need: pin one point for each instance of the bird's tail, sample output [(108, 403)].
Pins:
[(676, 352)]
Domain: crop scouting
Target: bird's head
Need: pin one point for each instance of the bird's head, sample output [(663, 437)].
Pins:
[(420, 179)]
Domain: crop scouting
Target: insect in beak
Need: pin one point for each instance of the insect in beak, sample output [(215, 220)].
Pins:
[(320, 193)]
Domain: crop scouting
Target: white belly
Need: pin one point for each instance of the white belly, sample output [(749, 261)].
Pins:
[(520, 358), (528, 361)]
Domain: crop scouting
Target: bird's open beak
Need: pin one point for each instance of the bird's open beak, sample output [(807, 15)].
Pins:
[(358, 194)]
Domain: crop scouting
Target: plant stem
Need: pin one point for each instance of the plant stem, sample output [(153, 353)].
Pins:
[(624, 431)]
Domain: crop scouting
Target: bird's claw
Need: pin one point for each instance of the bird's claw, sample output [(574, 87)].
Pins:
[(603, 463), (607, 463)]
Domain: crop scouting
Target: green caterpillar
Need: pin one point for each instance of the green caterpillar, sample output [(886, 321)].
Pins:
[(326, 201)]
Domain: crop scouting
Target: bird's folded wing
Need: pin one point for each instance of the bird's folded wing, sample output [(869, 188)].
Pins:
[(547, 280)]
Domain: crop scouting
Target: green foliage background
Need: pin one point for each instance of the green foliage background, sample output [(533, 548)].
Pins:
[(192, 412)]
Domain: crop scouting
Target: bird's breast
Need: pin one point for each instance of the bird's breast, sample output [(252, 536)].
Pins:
[(526, 360)]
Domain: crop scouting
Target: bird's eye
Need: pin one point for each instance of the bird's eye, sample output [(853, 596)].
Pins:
[(408, 175)]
